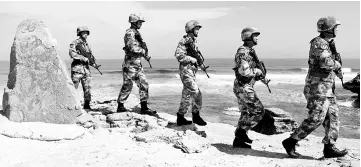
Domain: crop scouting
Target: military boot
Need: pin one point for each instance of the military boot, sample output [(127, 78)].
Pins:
[(198, 120), (243, 134), (241, 139), (330, 151), (87, 105), (290, 145), (145, 110), (121, 108), (182, 121)]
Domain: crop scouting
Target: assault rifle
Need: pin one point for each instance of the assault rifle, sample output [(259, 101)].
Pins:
[(198, 56), (88, 55), (335, 55), (143, 45), (260, 65)]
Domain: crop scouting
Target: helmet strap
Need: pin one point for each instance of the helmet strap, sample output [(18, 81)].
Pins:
[(191, 34), (327, 34), (249, 42), (134, 25)]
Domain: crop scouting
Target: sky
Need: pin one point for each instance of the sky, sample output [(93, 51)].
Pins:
[(286, 27)]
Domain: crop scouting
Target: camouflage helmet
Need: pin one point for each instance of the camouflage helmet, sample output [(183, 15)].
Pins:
[(327, 23), (82, 29), (136, 17), (190, 25), (247, 33)]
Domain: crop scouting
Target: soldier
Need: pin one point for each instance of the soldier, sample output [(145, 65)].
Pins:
[(191, 95), (321, 101), (247, 74), (80, 71), (132, 67)]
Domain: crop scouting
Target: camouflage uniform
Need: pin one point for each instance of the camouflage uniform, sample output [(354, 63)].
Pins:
[(321, 101), (80, 71), (191, 95), (132, 68), (249, 104)]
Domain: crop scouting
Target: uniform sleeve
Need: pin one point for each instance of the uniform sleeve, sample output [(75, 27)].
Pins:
[(181, 53), (244, 67), (73, 52), (131, 43), (324, 57)]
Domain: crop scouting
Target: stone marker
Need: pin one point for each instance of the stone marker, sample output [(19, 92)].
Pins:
[(39, 88)]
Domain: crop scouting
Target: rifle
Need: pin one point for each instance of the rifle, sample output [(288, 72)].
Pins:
[(335, 55), (88, 55), (260, 65), (144, 46), (197, 55)]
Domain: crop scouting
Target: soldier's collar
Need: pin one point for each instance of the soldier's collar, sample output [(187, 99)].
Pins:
[(249, 47), (82, 40)]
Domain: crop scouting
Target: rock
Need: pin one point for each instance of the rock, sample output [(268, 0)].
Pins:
[(353, 85), (192, 143), (39, 88), (139, 120), (163, 135), (84, 118), (174, 126), (188, 141), (275, 121), (101, 124), (40, 130), (100, 117)]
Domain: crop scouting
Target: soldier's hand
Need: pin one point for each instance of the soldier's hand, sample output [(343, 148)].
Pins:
[(143, 51), (193, 60), (265, 81), (339, 74), (257, 72), (85, 59)]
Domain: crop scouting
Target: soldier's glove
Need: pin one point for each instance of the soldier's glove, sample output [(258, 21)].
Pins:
[(193, 61), (147, 58), (143, 52), (265, 81), (339, 74), (86, 60), (258, 74)]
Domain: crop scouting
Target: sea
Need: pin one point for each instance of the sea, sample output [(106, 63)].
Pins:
[(219, 102)]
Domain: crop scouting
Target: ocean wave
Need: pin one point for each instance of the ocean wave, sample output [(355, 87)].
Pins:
[(305, 69), (270, 70)]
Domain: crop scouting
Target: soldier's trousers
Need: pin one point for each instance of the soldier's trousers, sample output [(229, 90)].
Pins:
[(322, 110), (191, 95), (251, 108), (130, 75), (81, 73)]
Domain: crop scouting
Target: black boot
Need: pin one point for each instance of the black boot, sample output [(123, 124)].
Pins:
[(121, 108), (87, 105), (198, 120), (240, 143), (290, 145), (243, 135), (330, 151), (145, 110), (182, 121)]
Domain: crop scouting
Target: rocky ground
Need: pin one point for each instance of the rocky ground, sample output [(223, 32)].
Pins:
[(131, 139)]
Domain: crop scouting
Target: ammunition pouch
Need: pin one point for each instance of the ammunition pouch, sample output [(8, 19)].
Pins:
[(241, 78)]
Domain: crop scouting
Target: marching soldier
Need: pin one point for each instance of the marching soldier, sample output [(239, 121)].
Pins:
[(321, 101), (247, 74), (132, 67), (191, 95), (80, 71)]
